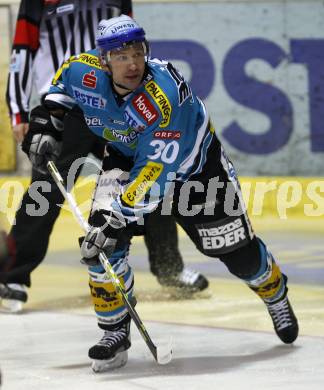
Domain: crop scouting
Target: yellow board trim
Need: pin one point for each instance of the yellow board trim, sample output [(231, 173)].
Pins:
[(263, 210), (8, 143)]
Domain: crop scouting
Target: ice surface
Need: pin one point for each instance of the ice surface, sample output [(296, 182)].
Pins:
[(46, 350)]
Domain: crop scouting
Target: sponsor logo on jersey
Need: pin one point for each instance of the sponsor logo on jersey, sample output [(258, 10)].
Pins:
[(167, 134), (89, 80), (133, 121), (93, 121), (128, 136), (222, 236), (89, 59), (94, 100), (112, 182), (53, 7), (141, 185), (161, 100), (125, 138), (145, 108), (65, 8), (116, 121)]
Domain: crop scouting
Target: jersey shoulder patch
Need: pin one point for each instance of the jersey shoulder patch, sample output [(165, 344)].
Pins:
[(89, 59)]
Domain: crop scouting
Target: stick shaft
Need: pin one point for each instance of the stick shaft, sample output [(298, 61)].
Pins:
[(103, 259)]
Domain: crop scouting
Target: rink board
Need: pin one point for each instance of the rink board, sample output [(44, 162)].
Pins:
[(273, 202)]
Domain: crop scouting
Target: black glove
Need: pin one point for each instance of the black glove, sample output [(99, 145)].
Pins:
[(43, 142), (106, 226)]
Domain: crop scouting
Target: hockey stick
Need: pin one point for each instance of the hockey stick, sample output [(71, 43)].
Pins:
[(162, 354)]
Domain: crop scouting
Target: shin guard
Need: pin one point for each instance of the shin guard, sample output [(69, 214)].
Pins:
[(108, 304), (269, 283)]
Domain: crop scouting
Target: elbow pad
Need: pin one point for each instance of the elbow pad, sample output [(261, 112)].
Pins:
[(43, 142), (40, 122)]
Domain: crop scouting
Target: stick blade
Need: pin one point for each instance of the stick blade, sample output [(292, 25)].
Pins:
[(164, 353)]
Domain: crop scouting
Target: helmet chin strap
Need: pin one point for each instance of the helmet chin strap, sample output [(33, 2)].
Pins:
[(114, 82), (121, 86)]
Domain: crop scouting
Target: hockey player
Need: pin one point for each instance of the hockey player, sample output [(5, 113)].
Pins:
[(161, 144), (47, 33)]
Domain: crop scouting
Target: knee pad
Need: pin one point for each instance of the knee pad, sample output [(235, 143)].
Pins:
[(244, 262)]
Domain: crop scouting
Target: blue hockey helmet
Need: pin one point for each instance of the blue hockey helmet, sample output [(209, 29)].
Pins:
[(117, 33)]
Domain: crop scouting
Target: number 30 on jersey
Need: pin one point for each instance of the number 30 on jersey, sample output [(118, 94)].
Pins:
[(168, 152)]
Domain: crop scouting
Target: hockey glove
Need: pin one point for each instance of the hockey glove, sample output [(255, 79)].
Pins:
[(106, 226), (43, 142)]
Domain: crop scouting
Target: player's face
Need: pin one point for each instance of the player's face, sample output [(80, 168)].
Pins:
[(128, 65)]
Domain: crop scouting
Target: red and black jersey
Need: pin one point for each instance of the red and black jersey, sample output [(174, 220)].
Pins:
[(47, 33)]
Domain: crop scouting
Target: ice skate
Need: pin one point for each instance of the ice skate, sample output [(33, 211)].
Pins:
[(284, 320), (111, 351), (188, 281), (12, 297), (118, 361)]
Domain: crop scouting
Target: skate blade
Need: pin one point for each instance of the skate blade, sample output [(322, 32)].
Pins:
[(107, 365), (164, 352), (11, 306)]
